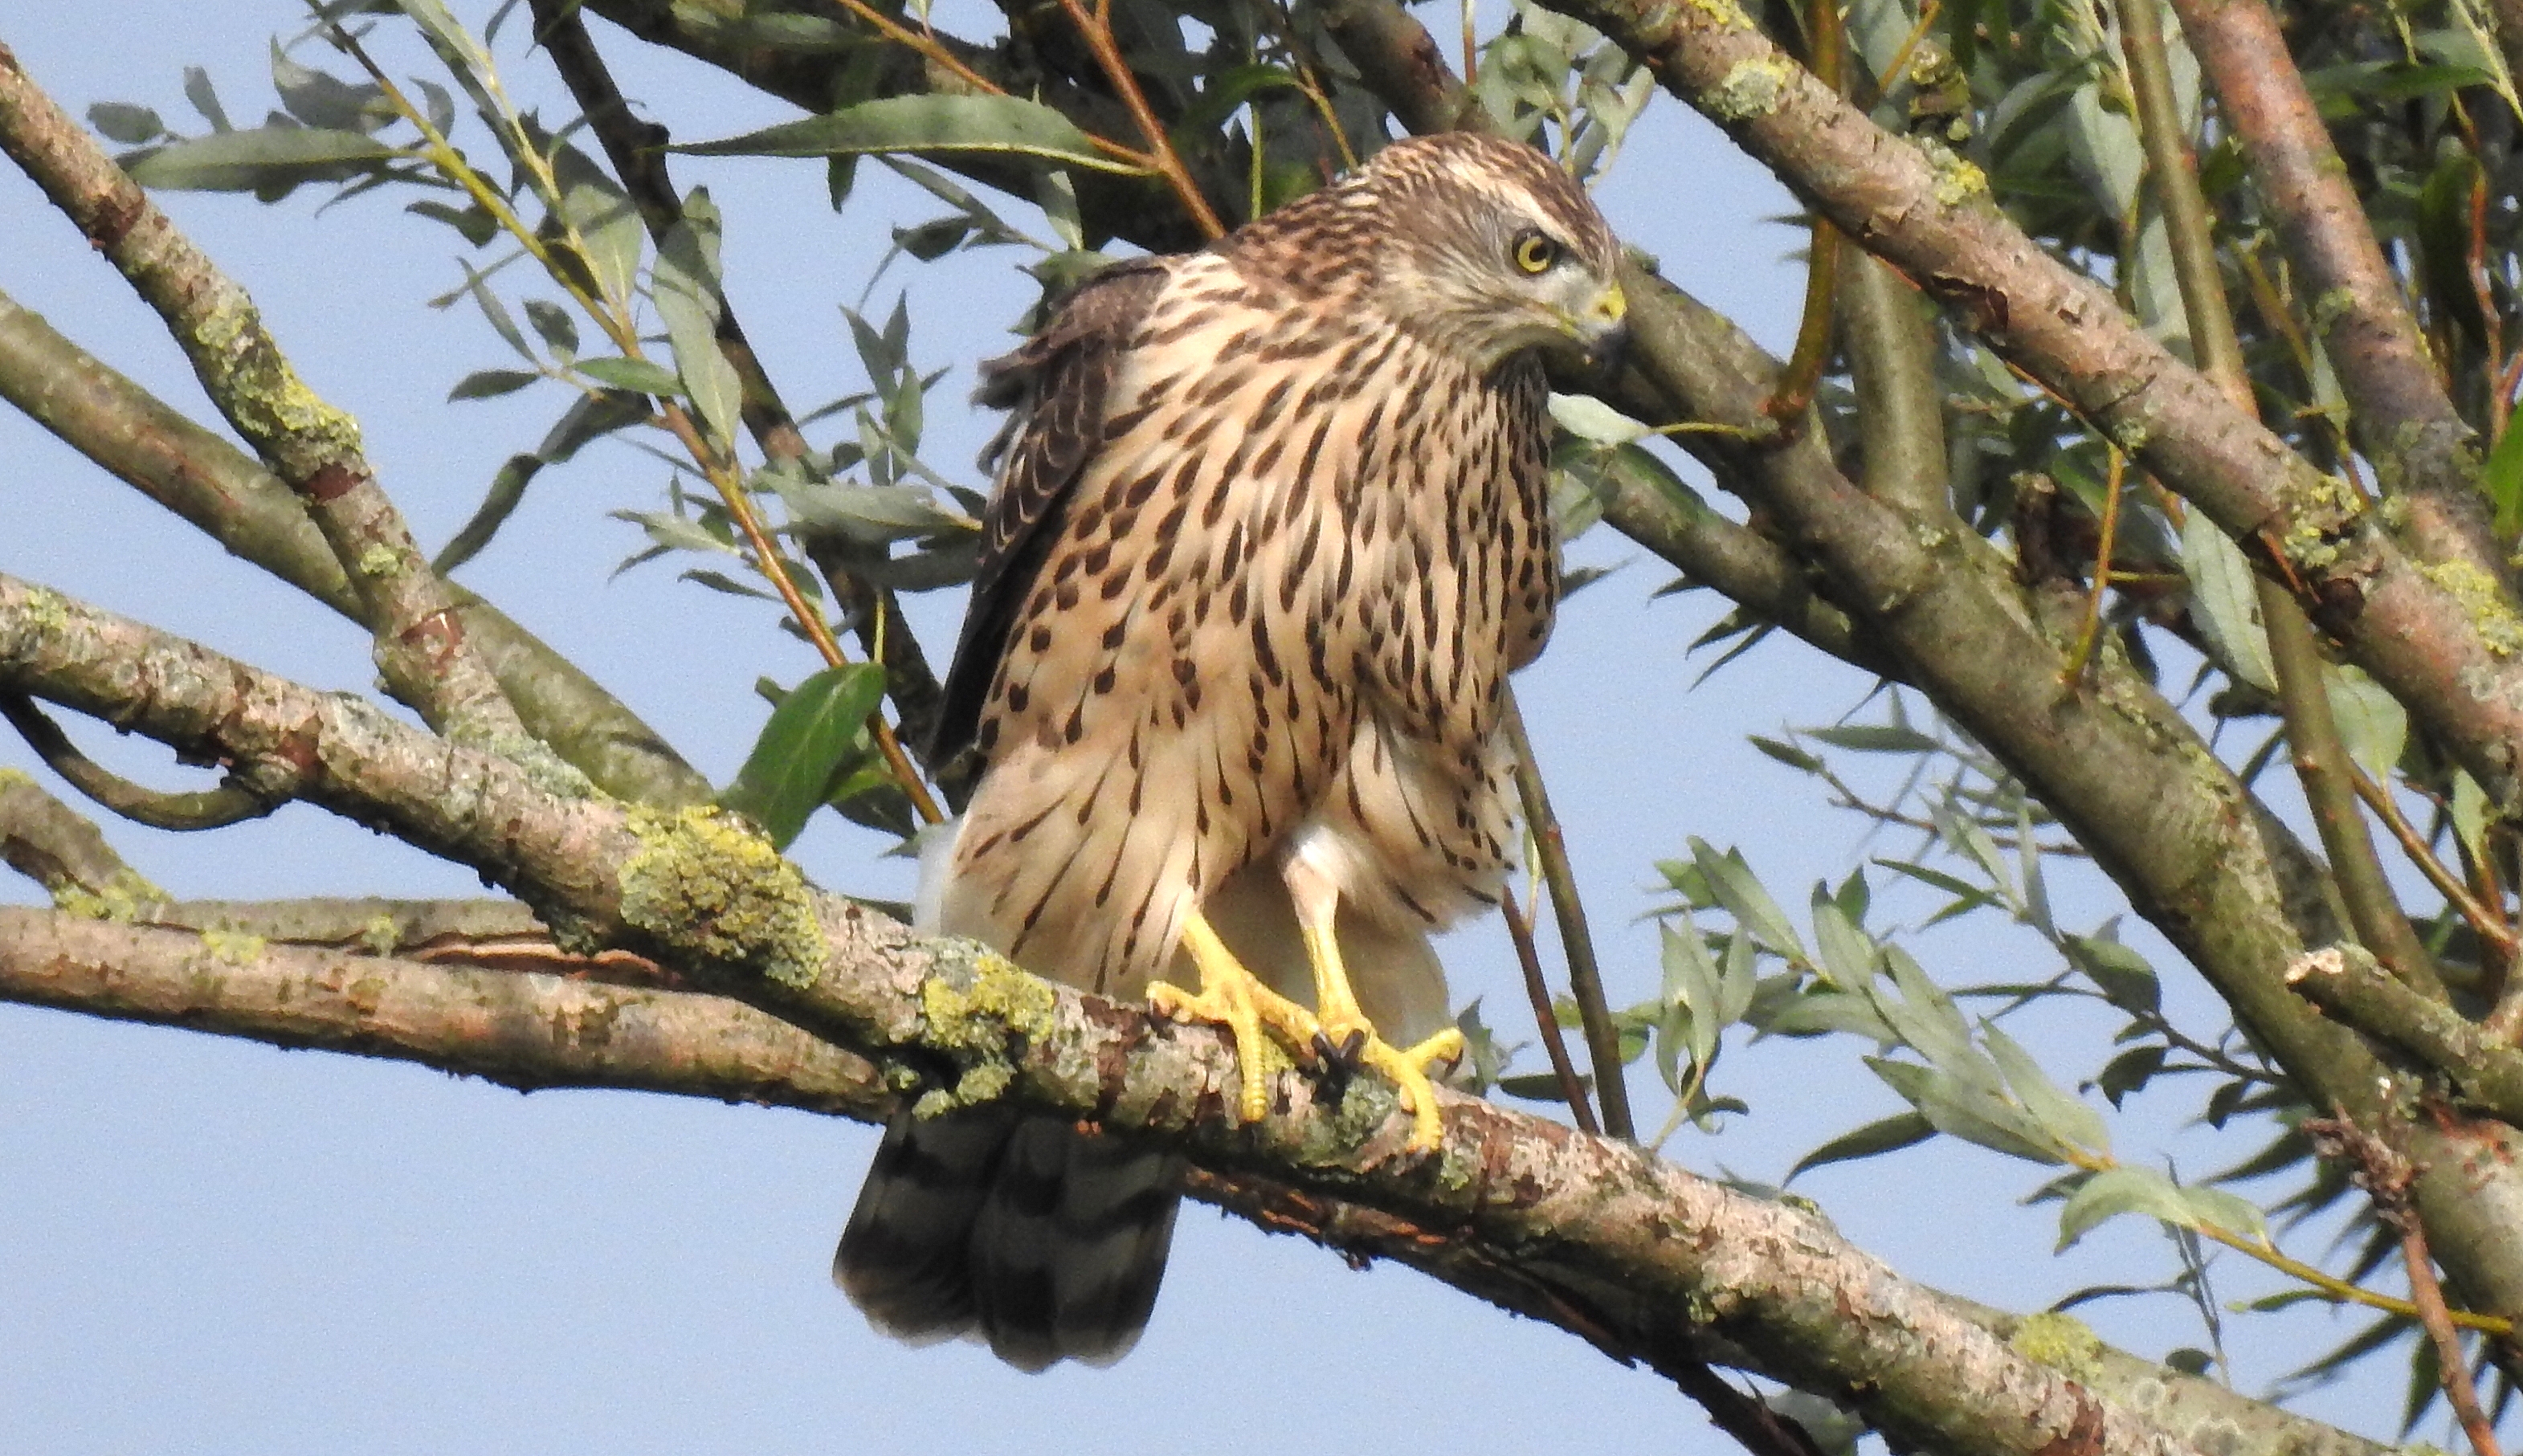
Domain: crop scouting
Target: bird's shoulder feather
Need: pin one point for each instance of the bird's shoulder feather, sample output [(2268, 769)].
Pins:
[(1056, 386)]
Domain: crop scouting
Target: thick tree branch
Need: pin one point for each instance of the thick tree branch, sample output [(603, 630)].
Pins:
[(2406, 422), (312, 446), (2351, 987), (1611, 1228), (2446, 645), (52, 844), (204, 478), (761, 44), (539, 1031)]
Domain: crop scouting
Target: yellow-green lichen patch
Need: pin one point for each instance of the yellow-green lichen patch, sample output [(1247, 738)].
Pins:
[(707, 882), (2062, 1342), (379, 934), (1752, 88), (379, 560), (46, 610), (1958, 179), (233, 947), (120, 899), (1726, 14), (257, 389), (2496, 622), (974, 1003)]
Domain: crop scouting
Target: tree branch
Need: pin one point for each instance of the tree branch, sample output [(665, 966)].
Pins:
[(636, 151), (541, 1031), (2406, 422), (1659, 1257), (312, 446), (201, 477), (2444, 646), (2354, 989)]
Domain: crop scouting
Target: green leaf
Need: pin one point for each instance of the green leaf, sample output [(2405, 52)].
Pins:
[(638, 375), (1591, 419), (266, 157), (2470, 813), (1734, 884), (1847, 954), (609, 228), (2114, 1191), (2130, 1071), (926, 125), (2062, 1115), (1786, 753), (122, 122), (560, 330), (2373, 724), (490, 384), (1962, 1108), (2225, 601), (687, 295), (1888, 1135), (1535, 1087), (1863, 737), (789, 772), (2504, 480), (2121, 974)]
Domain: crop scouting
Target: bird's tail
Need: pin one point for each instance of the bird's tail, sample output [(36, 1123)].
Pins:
[(1018, 1229)]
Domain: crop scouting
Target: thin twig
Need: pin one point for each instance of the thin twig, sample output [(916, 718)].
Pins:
[(1803, 374), (1572, 1088), (1096, 27), (2385, 1174), (2489, 925), (1585, 973), (202, 809), (2092, 632)]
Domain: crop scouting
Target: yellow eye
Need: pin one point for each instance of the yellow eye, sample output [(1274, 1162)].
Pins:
[(1534, 253)]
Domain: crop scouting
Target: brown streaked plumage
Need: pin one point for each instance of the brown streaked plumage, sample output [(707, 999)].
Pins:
[(1270, 529)]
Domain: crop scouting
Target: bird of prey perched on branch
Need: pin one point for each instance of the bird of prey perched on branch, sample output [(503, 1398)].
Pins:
[(1270, 529)]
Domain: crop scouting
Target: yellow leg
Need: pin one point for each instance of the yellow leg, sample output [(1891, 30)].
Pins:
[(1230, 996), (1345, 1026)]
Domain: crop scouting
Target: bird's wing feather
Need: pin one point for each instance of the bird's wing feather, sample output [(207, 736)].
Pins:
[(1057, 385)]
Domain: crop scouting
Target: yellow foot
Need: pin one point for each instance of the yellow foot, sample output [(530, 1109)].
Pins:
[(1356, 1044), (1231, 996)]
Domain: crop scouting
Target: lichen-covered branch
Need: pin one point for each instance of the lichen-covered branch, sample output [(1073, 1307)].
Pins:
[(311, 445), (1605, 1226), (2447, 645), (2404, 420), (201, 477), (2347, 983)]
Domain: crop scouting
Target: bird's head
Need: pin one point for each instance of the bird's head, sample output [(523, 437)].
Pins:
[(1490, 249)]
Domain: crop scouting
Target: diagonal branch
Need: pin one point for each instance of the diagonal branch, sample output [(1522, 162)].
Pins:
[(2444, 644), (201, 477), (312, 446), (2406, 422)]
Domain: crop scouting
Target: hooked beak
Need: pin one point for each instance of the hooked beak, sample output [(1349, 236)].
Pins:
[(1602, 331)]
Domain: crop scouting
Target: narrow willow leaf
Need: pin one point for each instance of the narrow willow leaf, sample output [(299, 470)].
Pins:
[(1736, 887), (1847, 954), (2372, 724), (1889, 1135), (686, 296), (789, 772), (1591, 419), (2070, 1123), (639, 375), (2470, 813), (2124, 1190), (2121, 974), (924, 125), (122, 122), (2226, 601), (490, 384), (267, 156)]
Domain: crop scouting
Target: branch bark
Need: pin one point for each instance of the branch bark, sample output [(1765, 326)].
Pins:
[(1659, 1258), (311, 445)]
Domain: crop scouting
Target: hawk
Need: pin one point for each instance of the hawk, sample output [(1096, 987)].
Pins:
[(1269, 529)]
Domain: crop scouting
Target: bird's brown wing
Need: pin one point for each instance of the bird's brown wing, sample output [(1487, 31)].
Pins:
[(1056, 384)]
